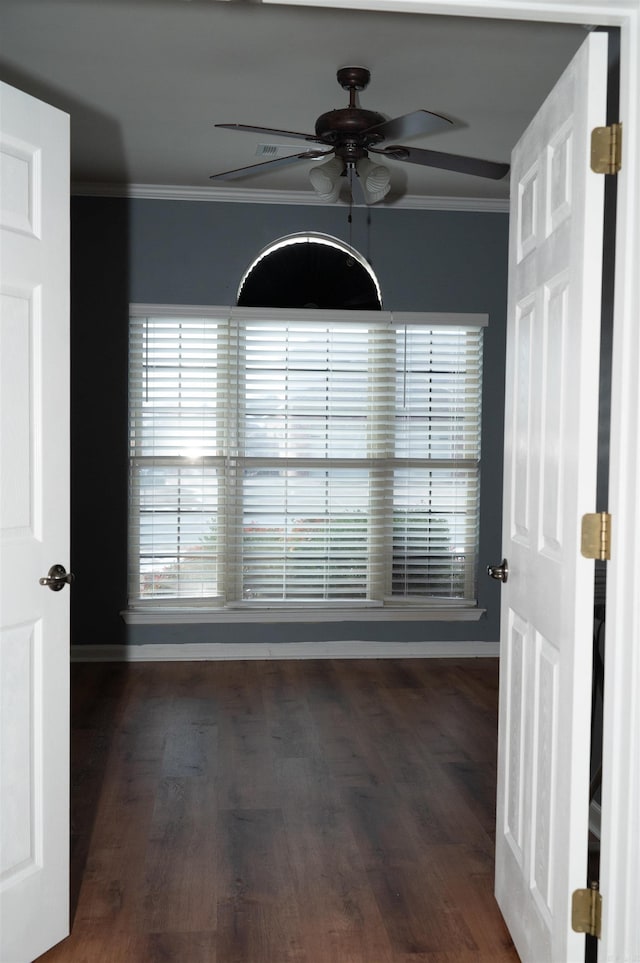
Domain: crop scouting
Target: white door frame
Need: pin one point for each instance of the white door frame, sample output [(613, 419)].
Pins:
[(620, 869)]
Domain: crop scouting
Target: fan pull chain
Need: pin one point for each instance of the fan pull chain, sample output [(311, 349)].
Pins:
[(350, 214)]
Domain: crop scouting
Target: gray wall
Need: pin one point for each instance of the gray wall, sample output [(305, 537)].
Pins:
[(188, 252)]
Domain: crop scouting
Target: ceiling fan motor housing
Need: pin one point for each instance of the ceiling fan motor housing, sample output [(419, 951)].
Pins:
[(348, 129), (347, 121)]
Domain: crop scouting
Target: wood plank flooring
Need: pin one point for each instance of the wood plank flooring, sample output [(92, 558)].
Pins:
[(284, 812)]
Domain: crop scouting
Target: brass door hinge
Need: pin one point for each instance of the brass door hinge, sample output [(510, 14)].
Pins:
[(606, 149), (596, 536), (586, 911)]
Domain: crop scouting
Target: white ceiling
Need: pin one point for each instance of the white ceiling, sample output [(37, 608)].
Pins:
[(146, 80)]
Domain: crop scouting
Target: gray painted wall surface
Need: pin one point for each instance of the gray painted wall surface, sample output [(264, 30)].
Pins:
[(188, 252)]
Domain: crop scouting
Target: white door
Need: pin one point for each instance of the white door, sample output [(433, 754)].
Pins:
[(555, 257), (34, 525)]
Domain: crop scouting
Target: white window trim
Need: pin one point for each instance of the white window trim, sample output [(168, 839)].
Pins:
[(429, 318), (176, 615), (155, 613)]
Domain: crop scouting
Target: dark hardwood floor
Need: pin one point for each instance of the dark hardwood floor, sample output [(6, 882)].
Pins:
[(284, 812)]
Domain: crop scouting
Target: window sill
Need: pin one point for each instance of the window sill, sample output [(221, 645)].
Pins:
[(182, 615)]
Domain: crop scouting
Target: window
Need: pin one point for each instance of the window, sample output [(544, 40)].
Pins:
[(303, 457), (310, 270)]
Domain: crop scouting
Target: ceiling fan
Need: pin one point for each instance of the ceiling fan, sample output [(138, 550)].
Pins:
[(351, 133)]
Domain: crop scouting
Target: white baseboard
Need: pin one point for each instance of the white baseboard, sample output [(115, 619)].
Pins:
[(212, 651)]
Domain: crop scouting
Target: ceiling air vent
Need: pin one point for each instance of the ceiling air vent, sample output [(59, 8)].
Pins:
[(272, 150)]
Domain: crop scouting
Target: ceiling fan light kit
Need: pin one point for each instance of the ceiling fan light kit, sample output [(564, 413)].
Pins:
[(325, 179), (351, 133), (375, 180)]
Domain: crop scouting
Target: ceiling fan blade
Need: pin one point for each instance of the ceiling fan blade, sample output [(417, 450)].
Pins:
[(447, 162), (411, 125), (269, 130), (277, 162)]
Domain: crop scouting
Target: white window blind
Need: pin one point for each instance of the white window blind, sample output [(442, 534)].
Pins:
[(303, 457)]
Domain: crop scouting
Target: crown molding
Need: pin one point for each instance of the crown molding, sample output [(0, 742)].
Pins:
[(239, 195)]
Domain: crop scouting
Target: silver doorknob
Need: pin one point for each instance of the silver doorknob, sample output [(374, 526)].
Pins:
[(57, 578), (499, 572)]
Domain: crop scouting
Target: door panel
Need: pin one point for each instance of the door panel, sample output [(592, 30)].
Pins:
[(555, 263), (34, 526)]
